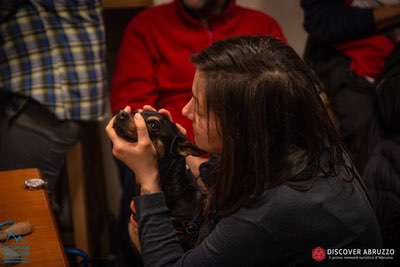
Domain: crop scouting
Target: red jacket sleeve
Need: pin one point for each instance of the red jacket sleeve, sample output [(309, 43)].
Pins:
[(276, 31), (133, 82)]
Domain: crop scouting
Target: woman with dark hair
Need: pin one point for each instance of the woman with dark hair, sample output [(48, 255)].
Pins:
[(283, 185)]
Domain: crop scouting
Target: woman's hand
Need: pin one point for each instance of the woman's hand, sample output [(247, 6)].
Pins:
[(194, 165), (133, 228), (140, 157)]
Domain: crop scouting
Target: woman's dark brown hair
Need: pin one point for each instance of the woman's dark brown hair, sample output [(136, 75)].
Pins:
[(271, 119)]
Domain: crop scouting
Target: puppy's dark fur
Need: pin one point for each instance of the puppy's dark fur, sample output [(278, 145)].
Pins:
[(172, 146)]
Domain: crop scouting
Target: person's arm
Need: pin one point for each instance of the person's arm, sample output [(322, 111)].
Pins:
[(234, 241), (133, 83), (275, 30), (332, 21), (386, 16)]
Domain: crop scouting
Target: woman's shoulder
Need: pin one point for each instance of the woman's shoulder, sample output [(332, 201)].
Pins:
[(330, 205), (332, 213), (385, 153)]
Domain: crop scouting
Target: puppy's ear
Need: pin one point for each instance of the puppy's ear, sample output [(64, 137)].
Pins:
[(186, 148)]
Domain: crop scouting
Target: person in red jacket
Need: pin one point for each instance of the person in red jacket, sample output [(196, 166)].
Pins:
[(154, 65), (349, 41)]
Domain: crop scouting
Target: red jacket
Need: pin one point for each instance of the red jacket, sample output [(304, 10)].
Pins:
[(367, 54), (153, 65)]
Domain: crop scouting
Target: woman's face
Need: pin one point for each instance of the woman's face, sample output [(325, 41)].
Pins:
[(205, 131)]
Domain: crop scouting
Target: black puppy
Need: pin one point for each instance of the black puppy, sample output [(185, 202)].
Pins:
[(166, 137), (171, 146)]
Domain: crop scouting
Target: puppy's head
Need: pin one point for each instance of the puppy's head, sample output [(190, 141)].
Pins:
[(164, 134)]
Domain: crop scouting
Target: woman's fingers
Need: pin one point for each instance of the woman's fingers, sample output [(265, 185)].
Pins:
[(133, 221), (110, 130), (166, 113), (127, 109), (148, 107), (142, 133), (162, 111), (181, 129), (134, 234), (133, 207), (118, 144), (132, 218)]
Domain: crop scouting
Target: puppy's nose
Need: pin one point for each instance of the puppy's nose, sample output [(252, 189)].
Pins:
[(124, 115)]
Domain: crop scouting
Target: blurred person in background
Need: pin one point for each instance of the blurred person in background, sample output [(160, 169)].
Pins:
[(348, 43), (382, 170), (52, 81)]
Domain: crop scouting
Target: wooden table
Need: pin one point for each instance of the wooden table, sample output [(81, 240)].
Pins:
[(18, 204)]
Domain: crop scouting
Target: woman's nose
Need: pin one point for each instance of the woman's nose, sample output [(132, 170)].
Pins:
[(187, 110)]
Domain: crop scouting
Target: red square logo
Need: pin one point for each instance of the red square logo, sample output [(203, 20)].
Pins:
[(318, 254)]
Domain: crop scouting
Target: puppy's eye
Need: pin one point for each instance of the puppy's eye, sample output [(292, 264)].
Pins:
[(154, 125)]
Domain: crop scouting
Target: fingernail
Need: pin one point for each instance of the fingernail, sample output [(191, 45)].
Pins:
[(137, 115)]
